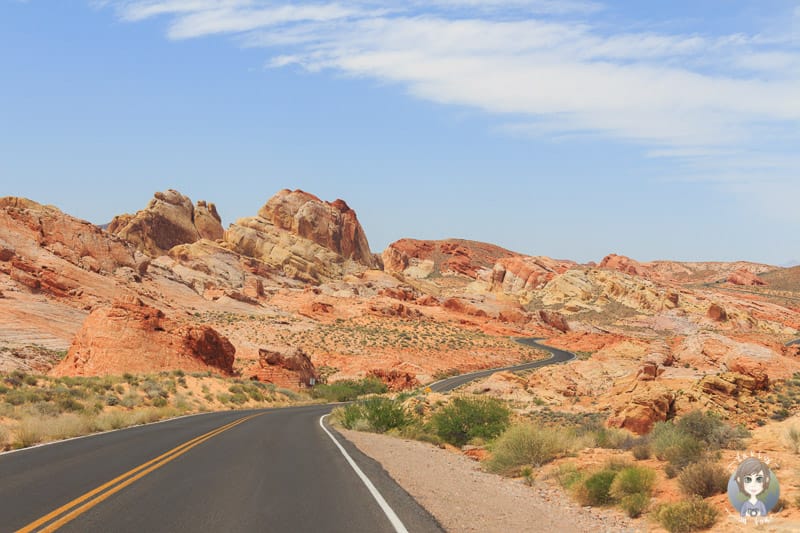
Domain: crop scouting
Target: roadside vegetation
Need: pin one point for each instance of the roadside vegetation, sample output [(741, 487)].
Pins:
[(36, 409), (686, 451)]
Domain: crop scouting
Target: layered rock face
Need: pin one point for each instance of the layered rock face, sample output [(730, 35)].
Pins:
[(130, 336), (307, 238), (331, 225), (168, 220), (523, 276), (28, 230), (285, 367), (452, 257)]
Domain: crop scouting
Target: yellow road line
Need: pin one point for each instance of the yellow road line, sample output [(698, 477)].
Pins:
[(122, 481)]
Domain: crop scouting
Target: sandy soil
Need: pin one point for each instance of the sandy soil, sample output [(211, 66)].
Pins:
[(463, 498)]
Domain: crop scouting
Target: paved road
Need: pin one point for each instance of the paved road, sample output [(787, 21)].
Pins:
[(796, 341), (558, 356), (262, 470), (277, 471)]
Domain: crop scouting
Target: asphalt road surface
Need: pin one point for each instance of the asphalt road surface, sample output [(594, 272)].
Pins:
[(276, 471), (557, 356), (269, 470)]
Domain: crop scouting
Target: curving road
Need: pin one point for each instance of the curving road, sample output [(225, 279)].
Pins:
[(557, 356), (277, 471), (264, 470)]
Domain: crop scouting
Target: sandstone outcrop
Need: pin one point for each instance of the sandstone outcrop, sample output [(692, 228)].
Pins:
[(554, 320), (625, 265), (331, 225), (130, 336), (453, 257), (308, 239), (395, 380), (27, 229), (745, 278), (285, 367), (521, 276), (169, 220), (639, 407)]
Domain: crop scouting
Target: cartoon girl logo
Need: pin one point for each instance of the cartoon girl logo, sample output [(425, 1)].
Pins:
[(753, 489)]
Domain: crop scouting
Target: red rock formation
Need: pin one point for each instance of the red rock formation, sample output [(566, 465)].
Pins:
[(27, 228), (744, 277), (624, 264), (639, 409), (717, 313), (517, 275), (331, 225), (460, 306), (285, 367), (554, 319), (133, 337), (169, 220), (395, 380), (448, 257)]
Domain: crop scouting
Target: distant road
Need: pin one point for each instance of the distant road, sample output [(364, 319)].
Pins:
[(796, 341), (272, 470), (557, 356)]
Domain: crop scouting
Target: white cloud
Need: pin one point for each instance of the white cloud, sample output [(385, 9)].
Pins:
[(679, 95)]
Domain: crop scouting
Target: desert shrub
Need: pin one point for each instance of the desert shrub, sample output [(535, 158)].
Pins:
[(675, 446), (526, 445), (374, 414), (159, 401), (703, 479), (633, 480), (112, 400), (709, 428), (635, 504), (348, 389), (466, 418), (596, 489), (686, 516), (70, 404), (641, 451), (632, 487), (3, 437), (384, 414), (130, 400)]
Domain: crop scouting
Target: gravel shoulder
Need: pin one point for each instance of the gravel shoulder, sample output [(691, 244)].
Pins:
[(463, 498)]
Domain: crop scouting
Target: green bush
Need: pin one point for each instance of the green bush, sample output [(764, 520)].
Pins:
[(466, 418), (568, 475), (633, 480), (709, 428), (686, 516), (384, 414), (526, 445), (635, 504), (348, 390), (596, 489), (675, 446), (374, 414), (703, 479)]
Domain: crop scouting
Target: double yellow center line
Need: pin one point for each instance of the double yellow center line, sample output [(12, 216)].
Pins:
[(68, 512)]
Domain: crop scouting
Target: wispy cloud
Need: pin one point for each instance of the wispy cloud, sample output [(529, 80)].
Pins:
[(544, 66)]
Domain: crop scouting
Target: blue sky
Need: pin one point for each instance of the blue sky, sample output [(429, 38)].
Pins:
[(572, 128)]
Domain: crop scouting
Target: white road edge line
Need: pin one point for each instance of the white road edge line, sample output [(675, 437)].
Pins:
[(388, 511)]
